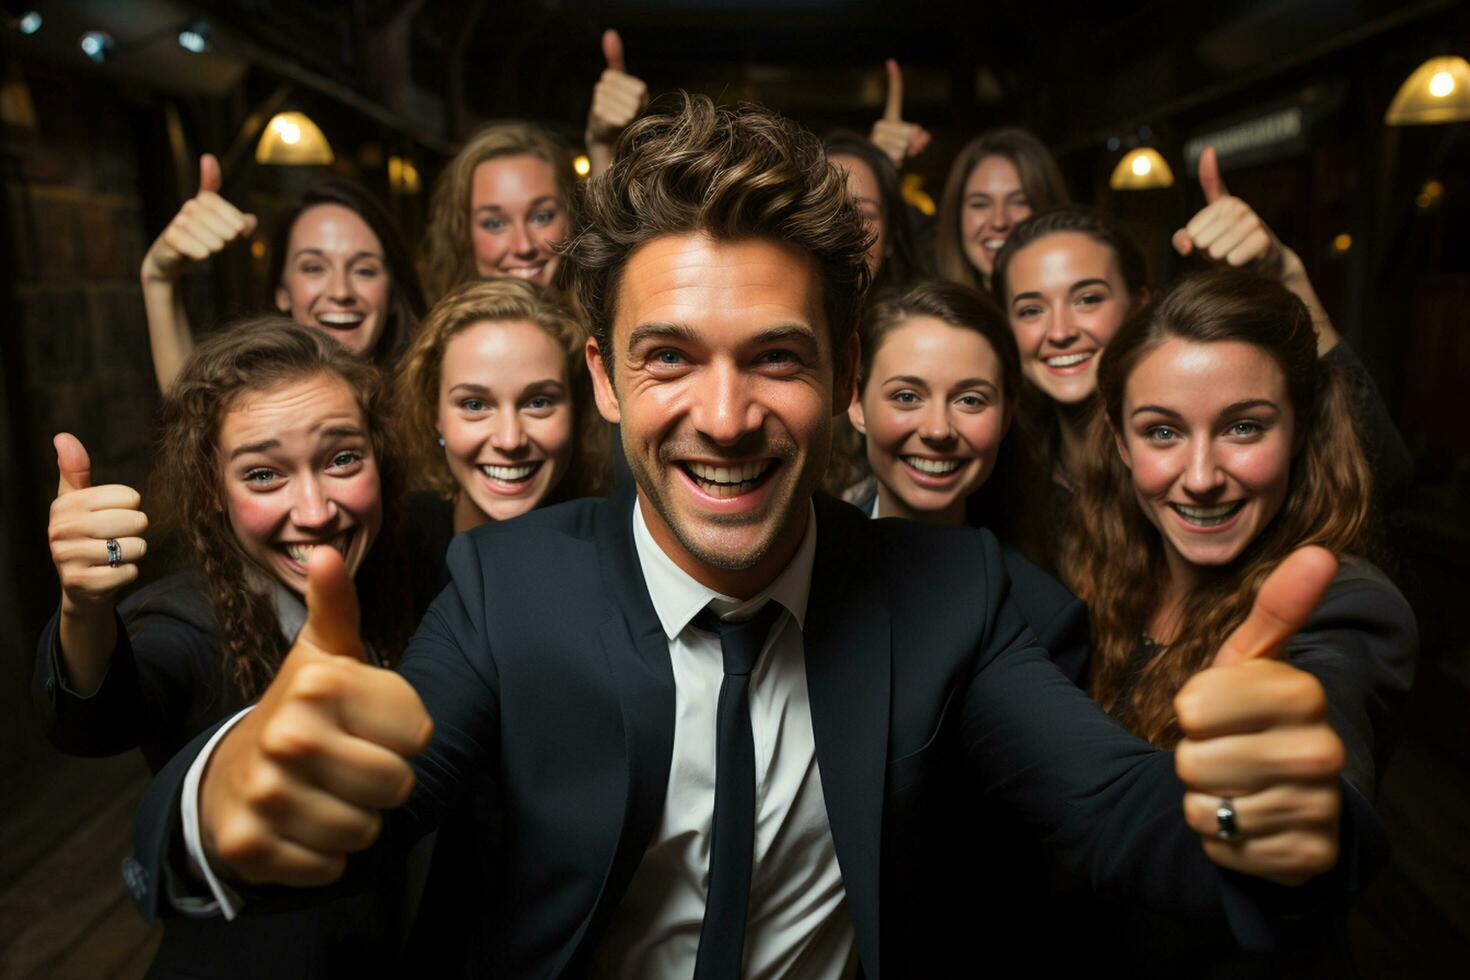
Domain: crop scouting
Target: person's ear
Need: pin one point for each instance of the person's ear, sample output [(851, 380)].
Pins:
[(855, 412), (283, 301), (602, 385), (844, 375)]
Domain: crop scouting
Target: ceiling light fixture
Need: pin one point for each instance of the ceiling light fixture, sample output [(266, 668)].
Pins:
[(292, 139), (1437, 92), (1140, 170)]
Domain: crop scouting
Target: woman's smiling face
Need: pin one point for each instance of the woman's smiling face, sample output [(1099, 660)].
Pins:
[(517, 216), (299, 472), (1208, 432), (934, 412), (1066, 298), (506, 415)]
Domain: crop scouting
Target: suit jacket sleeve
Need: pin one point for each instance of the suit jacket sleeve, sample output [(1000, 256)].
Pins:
[(1107, 803), (148, 698)]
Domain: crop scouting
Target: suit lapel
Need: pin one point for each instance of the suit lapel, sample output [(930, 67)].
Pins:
[(848, 664), (637, 654)]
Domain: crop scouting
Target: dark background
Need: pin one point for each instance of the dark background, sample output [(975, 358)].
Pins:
[(112, 152)]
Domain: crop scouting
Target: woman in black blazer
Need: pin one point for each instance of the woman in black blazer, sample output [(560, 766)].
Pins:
[(1225, 445), (274, 442)]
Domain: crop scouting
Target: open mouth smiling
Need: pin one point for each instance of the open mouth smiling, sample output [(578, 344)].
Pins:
[(727, 480), (1205, 517), (297, 552)]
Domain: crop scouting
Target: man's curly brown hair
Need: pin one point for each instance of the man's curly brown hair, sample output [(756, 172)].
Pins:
[(732, 172)]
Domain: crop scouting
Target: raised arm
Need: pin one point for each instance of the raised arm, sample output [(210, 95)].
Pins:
[(204, 226), (96, 536), (617, 98)]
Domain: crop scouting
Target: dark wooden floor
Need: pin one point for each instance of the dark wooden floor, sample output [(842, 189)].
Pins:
[(64, 829)]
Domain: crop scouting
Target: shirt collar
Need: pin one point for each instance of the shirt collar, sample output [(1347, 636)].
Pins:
[(678, 598)]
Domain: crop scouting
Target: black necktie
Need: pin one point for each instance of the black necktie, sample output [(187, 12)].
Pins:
[(732, 837)]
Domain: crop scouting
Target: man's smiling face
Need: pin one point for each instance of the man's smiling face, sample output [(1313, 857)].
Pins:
[(722, 375)]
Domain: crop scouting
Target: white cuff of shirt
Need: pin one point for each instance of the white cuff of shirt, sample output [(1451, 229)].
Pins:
[(226, 899)]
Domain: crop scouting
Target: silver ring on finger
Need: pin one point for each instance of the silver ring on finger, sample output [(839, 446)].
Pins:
[(114, 553), (1225, 826)]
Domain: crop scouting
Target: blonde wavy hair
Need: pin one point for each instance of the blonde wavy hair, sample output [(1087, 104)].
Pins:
[(447, 257), (416, 384)]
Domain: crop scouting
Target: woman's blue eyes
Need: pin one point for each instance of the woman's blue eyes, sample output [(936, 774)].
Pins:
[(473, 405), (1165, 433), (345, 459), (534, 403), (539, 218), (260, 476)]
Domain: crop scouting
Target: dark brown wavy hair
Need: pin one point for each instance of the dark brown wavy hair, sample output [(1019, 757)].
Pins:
[(405, 298), (416, 385), (251, 356), (1041, 179), (1037, 520), (730, 172), (1113, 558), (447, 254)]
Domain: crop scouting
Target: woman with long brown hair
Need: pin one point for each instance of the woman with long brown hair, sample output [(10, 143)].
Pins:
[(338, 264), (274, 442), (999, 179), (499, 209), (1225, 445)]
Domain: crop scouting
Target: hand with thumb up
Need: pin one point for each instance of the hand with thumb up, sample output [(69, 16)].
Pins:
[(299, 782), (1259, 759), (899, 140), (617, 98), (96, 537), (1226, 230), (204, 226)]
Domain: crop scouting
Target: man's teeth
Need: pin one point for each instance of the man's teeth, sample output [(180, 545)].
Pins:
[(1208, 516), (934, 467), (300, 550), (510, 474), (1066, 360), (728, 481), (340, 319)]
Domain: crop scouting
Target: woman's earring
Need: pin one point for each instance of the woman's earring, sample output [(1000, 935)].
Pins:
[(441, 440)]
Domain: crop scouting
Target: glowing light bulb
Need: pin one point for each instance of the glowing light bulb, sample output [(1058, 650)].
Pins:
[(1442, 84), (582, 165), (1141, 165), (1342, 242), (290, 133)]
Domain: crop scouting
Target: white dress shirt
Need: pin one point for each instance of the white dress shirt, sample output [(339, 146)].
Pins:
[(797, 923)]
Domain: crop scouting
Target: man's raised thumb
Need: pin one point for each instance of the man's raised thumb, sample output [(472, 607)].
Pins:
[(73, 465), (332, 618)]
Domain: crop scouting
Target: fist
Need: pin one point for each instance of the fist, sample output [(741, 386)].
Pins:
[(96, 533), (617, 98), (300, 782), (204, 226)]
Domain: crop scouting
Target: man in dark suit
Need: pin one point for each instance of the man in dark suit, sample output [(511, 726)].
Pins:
[(712, 722)]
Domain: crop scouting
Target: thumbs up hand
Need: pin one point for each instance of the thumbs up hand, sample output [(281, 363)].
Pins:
[(203, 227), (617, 98), (1226, 230), (299, 782), (96, 533), (1257, 744), (899, 140)]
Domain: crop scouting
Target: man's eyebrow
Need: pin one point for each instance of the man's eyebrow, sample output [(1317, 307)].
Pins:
[(645, 332), (786, 332)]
